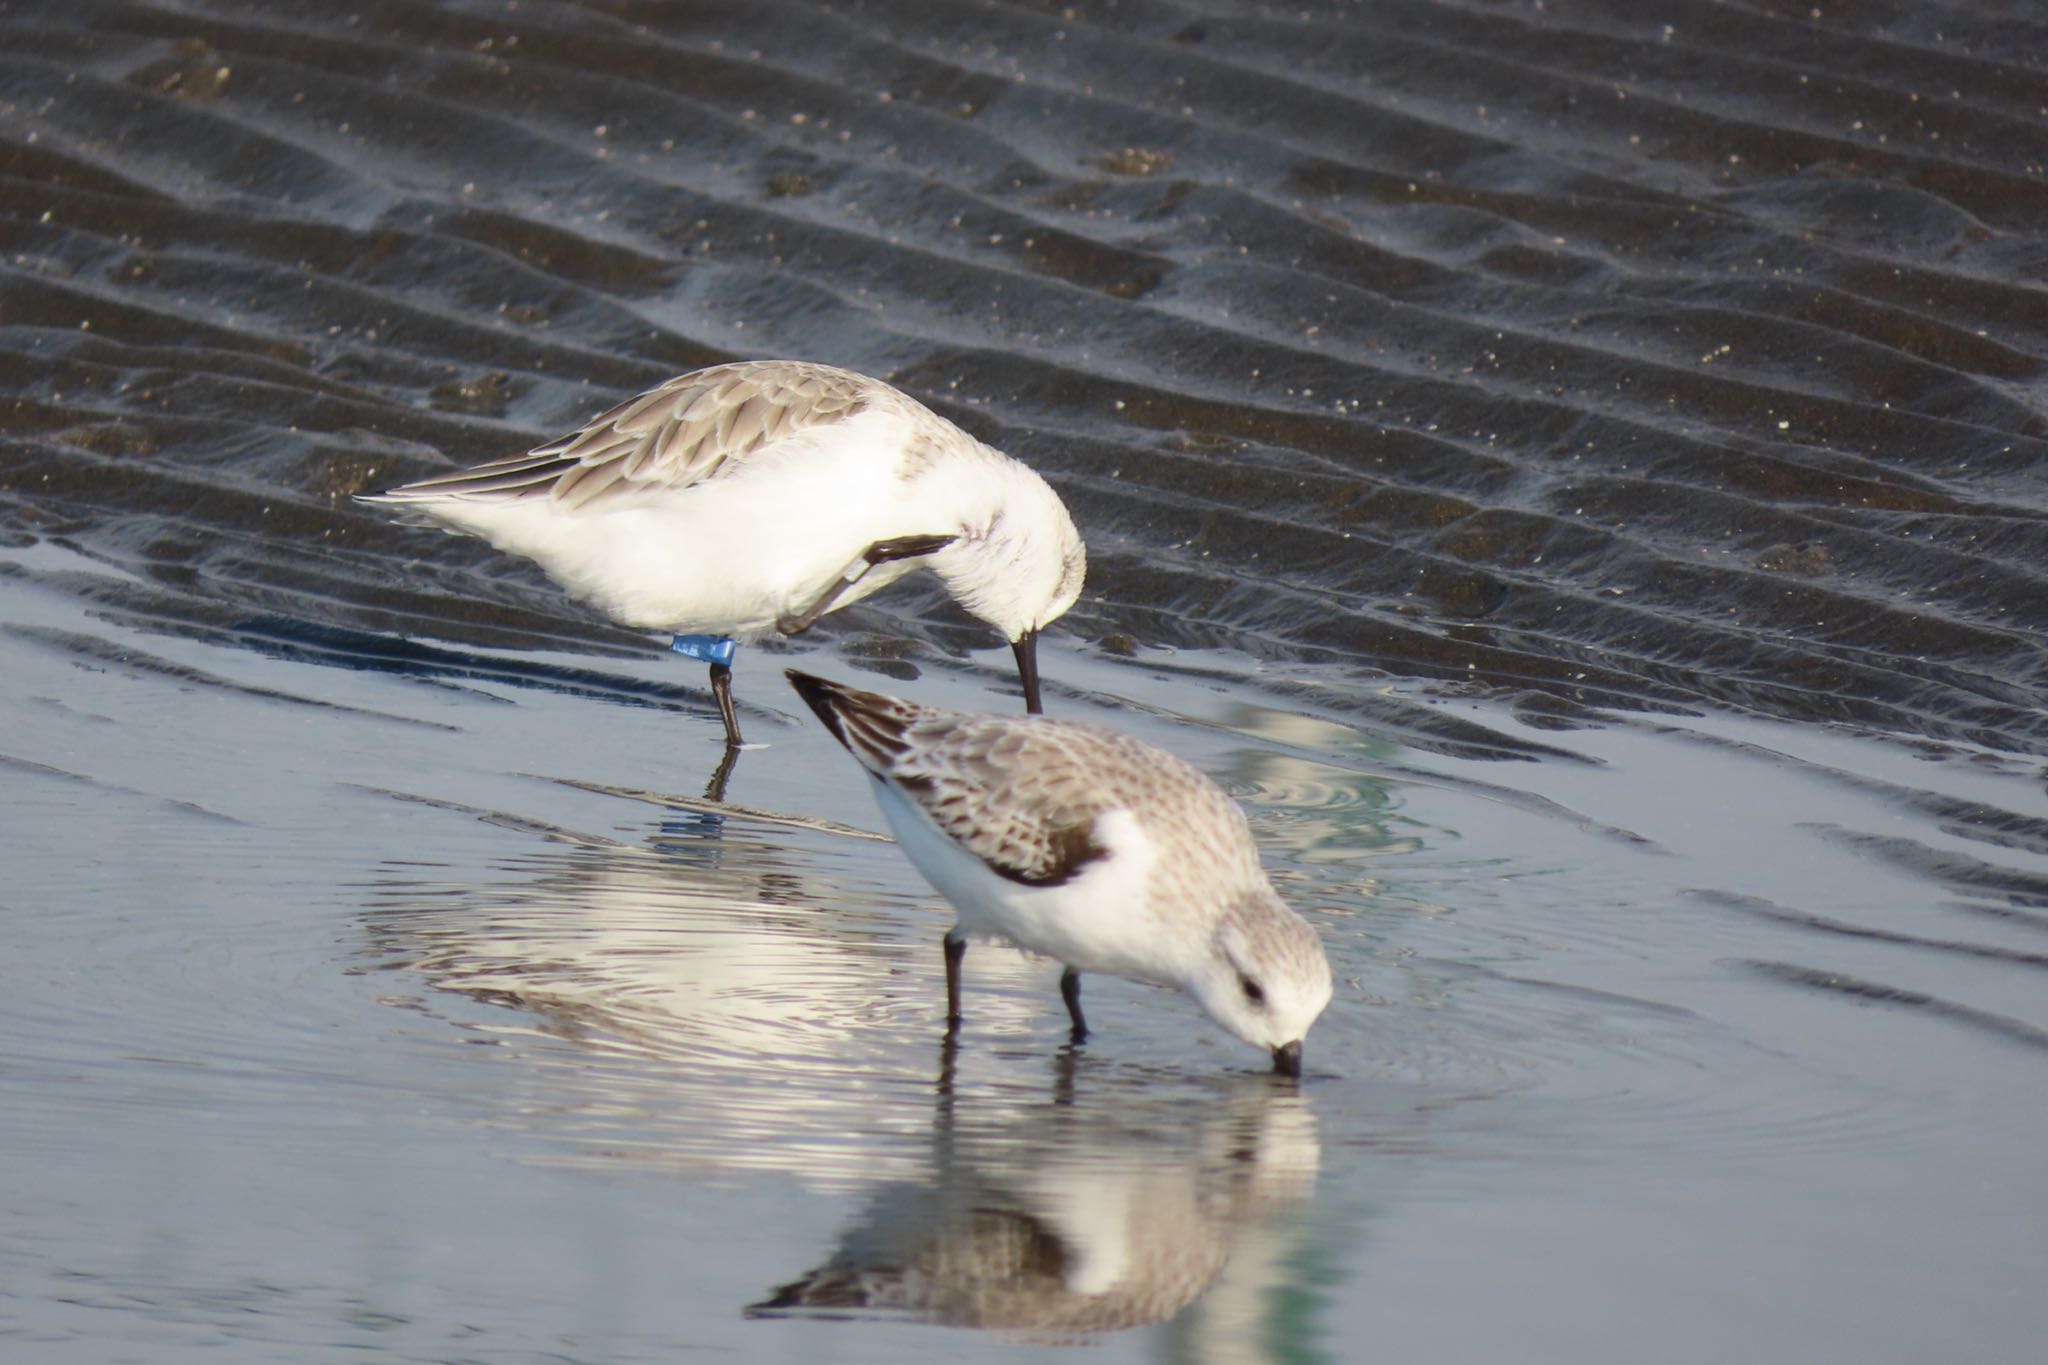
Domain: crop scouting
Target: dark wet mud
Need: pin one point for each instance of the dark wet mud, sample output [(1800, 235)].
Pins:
[(1596, 353)]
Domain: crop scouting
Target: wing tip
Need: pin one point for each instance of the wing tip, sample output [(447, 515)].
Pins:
[(824, 697), (870, 725)]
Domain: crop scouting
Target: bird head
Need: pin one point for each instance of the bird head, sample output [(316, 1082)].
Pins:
[(1021, 567), (1265, 977)]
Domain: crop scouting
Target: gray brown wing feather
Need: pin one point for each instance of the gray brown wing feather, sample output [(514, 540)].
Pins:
[(1016, 792), (670, 437)]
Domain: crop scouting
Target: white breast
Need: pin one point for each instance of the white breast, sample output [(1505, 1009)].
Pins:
[(1099, 921), (734, 553)]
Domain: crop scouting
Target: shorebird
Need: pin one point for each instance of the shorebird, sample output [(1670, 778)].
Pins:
[(1087, 846), (755, 497)]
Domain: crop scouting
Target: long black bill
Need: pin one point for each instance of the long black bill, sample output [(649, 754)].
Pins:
[(1287, 1058), (1026, 650)]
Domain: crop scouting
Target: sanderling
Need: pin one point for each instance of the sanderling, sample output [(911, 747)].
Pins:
[(1090, 847), (756, 497)]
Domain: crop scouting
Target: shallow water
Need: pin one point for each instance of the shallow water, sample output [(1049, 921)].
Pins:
[(1573, 471), (496, 1065)]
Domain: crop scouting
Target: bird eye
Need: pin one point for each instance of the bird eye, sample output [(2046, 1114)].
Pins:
[(1253, 991)]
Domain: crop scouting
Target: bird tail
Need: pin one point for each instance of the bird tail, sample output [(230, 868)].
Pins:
[(869, 724), (534, 474)]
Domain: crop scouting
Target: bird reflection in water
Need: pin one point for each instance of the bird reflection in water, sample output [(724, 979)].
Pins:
[(1076, 1216)]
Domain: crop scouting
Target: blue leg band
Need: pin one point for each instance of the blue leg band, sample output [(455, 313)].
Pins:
[(710, 649)]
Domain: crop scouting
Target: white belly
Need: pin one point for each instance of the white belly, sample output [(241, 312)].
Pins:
[(728, 556), (1100, 921)]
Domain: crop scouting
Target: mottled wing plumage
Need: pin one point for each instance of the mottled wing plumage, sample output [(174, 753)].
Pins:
[(670, 437), (1011, 793), (1018, 792), (870, 725)]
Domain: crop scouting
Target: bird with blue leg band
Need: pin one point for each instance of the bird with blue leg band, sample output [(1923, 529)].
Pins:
[(752, 498)]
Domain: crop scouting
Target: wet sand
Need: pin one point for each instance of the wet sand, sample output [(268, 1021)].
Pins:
[(1574, 473)]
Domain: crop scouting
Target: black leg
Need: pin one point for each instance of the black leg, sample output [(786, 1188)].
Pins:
[(805, 619), (1070, 991), (881, 552), (1026, 650), (956, 948), (721, 690)]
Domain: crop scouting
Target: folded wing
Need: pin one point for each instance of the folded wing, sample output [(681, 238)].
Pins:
[(670, 437)]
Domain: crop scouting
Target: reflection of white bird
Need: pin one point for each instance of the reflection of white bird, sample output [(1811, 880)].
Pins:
[(1067, 1219), (756, 497), (1090, 847), (645, 991)]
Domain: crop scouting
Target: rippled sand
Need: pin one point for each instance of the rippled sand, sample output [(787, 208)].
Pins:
[(1618, 353)]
